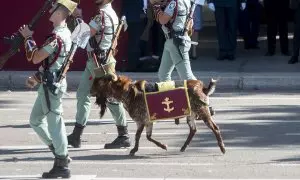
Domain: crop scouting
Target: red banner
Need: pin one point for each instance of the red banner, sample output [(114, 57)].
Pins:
[(168, 104)]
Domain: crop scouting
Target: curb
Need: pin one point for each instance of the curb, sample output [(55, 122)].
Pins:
[(15, 80)]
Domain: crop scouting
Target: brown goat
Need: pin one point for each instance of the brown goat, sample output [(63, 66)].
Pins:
[(131, 95)]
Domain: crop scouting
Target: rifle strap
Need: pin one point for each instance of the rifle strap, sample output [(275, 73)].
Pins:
[(53, 38), (93, 42), (47, 64)]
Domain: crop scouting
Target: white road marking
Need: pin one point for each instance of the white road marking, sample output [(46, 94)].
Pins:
[(93, 177), (182, 121), (38, 176), (166, 178), (285, 164), (100, 147), (9, 109), (292, 134)]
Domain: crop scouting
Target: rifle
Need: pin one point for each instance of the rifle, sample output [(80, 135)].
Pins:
[(16, 39), (104, 68), (110, 52), (80, 37)]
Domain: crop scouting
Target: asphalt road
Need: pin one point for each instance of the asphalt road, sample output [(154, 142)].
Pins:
[(261, 131)]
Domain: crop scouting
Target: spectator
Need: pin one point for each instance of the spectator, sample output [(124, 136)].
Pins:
[(296, 40), (249, 22), (226, 20), (277, 20), (198, 19), (133, 10)]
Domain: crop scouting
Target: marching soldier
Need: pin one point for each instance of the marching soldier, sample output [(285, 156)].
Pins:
[(103, 27), (177, 45), (174, 20), (46, 116)]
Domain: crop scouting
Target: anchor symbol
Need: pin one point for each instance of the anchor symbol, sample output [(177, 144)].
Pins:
[(167, 102)]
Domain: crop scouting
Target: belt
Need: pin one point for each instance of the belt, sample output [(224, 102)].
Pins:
[(99, 57), (172, 34)]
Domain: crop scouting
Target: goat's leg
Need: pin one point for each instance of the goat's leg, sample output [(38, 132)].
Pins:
[(193, 129), (140, 128), (149, 128), (212, 125)]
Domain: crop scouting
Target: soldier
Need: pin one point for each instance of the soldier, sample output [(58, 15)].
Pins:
[(177, 45), (103, 27), (46, 116)]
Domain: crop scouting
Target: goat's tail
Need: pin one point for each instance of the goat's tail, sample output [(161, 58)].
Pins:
[(211, 87)]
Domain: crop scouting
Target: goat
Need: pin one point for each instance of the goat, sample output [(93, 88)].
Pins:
[(130, 93)]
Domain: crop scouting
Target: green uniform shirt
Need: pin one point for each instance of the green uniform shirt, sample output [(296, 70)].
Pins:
[(52, 47), (183, 7), (106, 23)]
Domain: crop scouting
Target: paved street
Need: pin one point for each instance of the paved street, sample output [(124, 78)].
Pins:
[(261, 131)]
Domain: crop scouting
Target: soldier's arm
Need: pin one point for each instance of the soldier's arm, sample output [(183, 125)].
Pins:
[(33, 53), (39, 56), (163, 17)]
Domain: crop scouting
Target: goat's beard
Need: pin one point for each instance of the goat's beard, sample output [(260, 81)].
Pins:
[(101, 101)]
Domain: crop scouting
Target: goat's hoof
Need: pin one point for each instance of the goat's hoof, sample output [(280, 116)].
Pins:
[(132, 152), (165, 147), (182, 149), (222, 147)]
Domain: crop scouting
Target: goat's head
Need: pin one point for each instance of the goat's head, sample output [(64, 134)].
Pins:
[(109, 86)]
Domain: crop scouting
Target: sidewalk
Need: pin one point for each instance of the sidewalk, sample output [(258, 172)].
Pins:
[(251, 69)]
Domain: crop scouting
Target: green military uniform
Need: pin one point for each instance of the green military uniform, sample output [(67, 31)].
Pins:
[(176, 56), (105, 23), (48, 123), (46, 116)]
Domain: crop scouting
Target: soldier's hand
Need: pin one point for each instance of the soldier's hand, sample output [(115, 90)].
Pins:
[(31, 82), (25, 31)]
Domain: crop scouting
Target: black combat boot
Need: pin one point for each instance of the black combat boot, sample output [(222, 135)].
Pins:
[(121, 141), (60, 169), (74, 139)]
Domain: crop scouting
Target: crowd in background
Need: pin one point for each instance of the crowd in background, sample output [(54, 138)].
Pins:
[(232, 17)]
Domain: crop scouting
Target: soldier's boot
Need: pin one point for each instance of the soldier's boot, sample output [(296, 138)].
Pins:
[(60, 169), (122, 141), (51, 147), (212, 111), (74, 139)]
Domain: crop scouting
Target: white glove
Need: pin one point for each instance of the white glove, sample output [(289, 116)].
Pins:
[(211, 6), (243, 6)]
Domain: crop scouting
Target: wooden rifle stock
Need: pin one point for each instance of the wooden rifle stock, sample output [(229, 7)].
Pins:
[(114, 42)]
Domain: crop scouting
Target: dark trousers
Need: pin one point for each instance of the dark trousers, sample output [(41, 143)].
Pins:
[(249, 24), (277, 20), (296, 39), (226, 21), (134, 51)]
